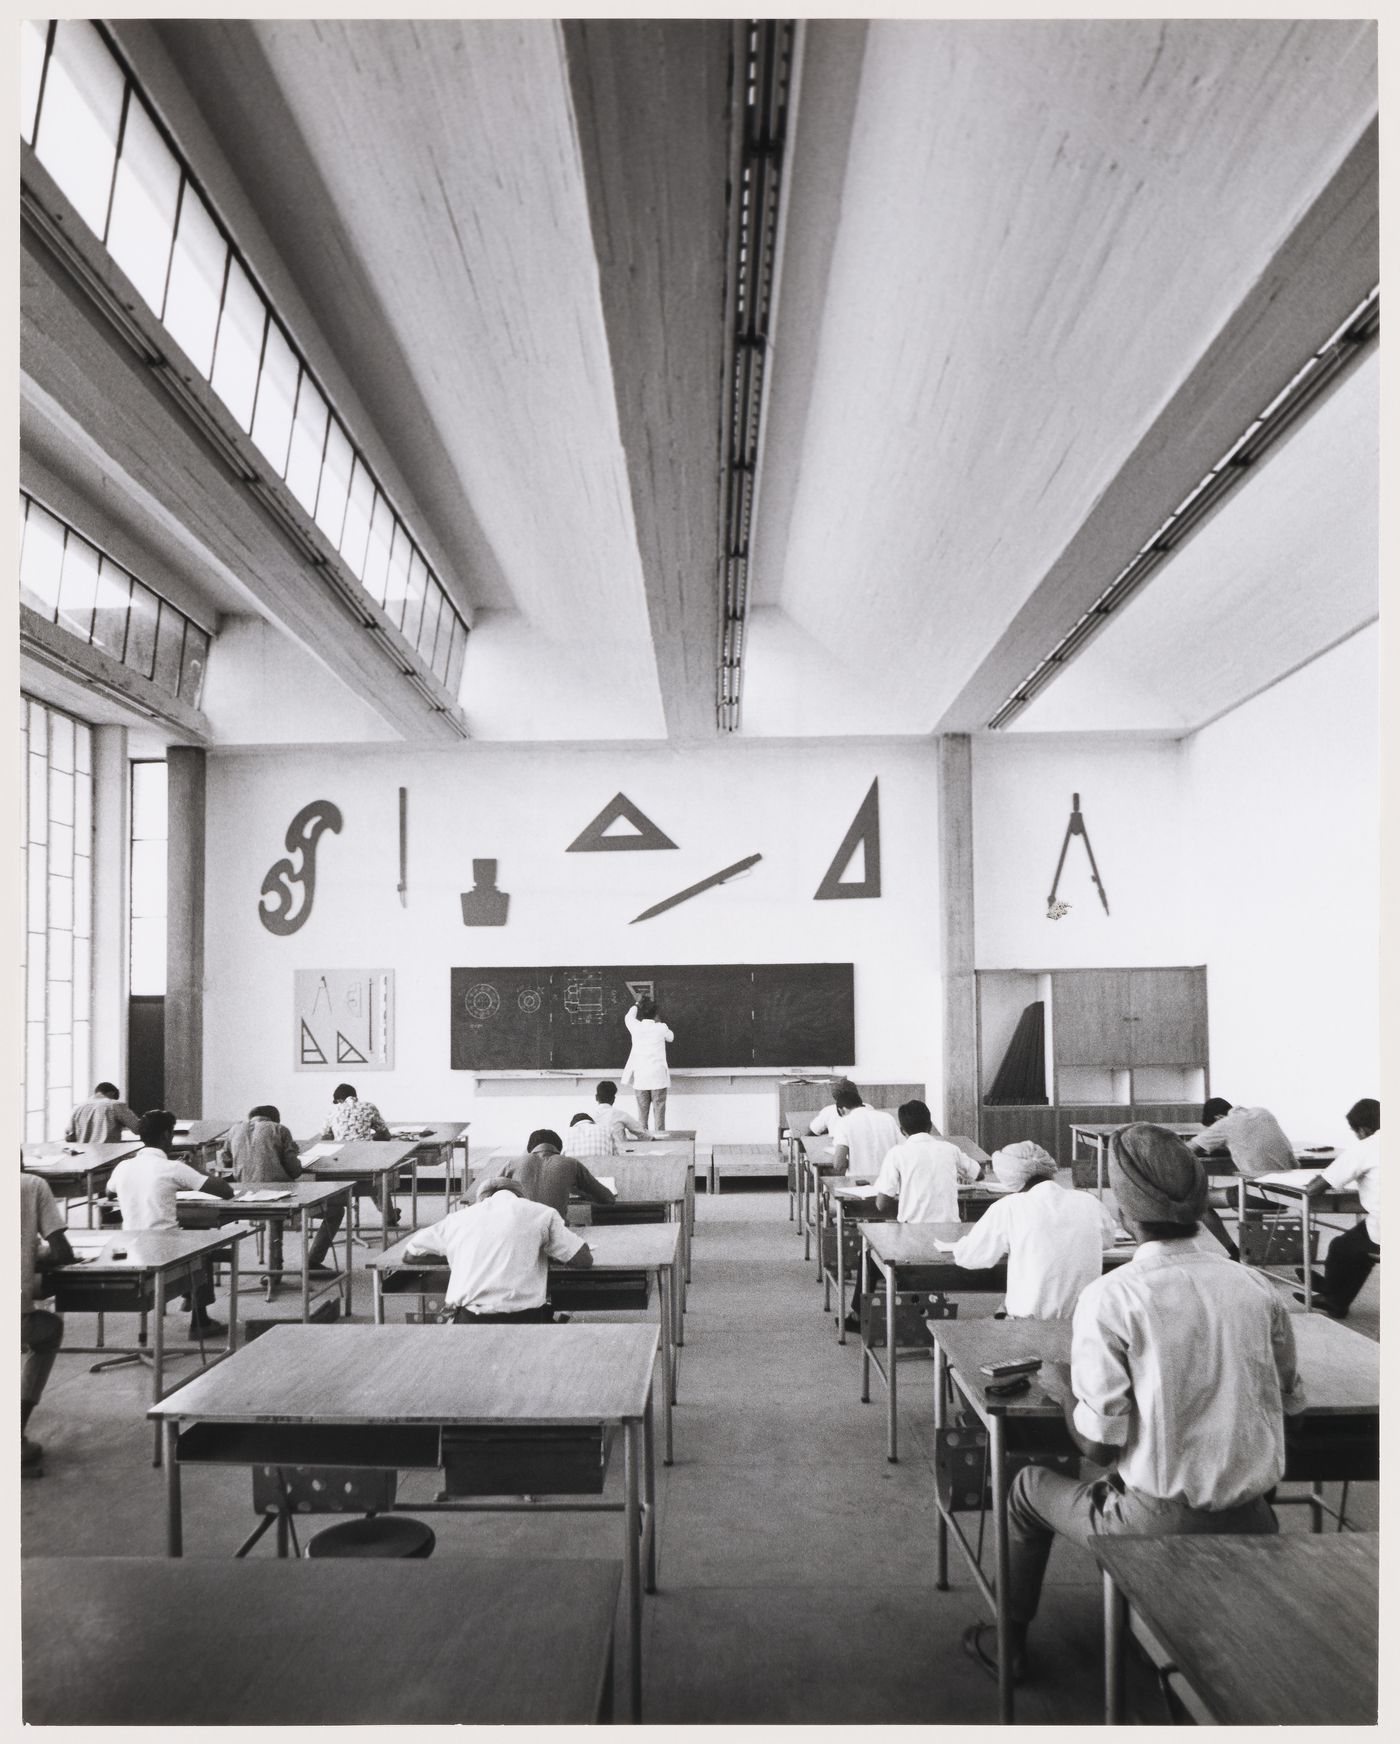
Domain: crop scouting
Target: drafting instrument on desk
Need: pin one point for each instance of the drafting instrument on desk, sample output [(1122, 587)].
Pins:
[(1075, 827), (403, 846), (695, 889)]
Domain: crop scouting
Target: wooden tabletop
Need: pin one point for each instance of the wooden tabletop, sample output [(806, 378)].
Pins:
[(642, 1179), (61, 1159), (616, 1247), (200, 1132), (292, 1197), (361, 1157), (147, 1250), (109, 1641), (593, 1373), (1275, 1631), (675, 1146), (1339, 1368), (1104, 1129), (440, 1132)]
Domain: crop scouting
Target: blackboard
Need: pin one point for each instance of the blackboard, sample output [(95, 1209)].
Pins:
[(724, 1015)]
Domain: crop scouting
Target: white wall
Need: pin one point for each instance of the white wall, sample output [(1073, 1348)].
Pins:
[(1130, 796), (1282, 797), (522, 806)]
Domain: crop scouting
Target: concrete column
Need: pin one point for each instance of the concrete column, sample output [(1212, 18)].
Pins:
[(957, 934), (111, 839), (184, 965)]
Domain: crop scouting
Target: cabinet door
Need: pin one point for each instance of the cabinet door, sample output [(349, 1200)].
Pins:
[(1090, 1013), (1169, 1017)]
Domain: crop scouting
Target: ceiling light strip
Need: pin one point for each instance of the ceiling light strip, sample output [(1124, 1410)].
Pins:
[(767, 79), (1360, 330)]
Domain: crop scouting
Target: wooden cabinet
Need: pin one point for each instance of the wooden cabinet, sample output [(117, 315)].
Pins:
[(1124, 1044), (1167, 1017), (1091, 1018)]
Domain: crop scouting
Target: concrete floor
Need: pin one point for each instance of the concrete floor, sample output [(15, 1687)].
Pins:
[(794, 1565)]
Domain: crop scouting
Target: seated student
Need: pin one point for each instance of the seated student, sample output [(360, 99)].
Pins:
[(1351, 1255), (587, 1139), (499, 1251), (1257, 1146), (40, 1330), (862, 1137), (549, 1178), (1051, 1237), (918, 1181), (145, 1186), (259, 1150), (351, 1120), (821, 1121), (103, 1119), (1182, 1369), (607, 1113)]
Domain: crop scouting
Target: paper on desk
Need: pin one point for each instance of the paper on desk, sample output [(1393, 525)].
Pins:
[(1289, 1177), (203, 1198), (608, 1181), (944, 1246), (258, 1196), (320, 1152)]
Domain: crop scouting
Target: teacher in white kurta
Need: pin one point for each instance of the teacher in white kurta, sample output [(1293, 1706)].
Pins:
[(647, 1072)]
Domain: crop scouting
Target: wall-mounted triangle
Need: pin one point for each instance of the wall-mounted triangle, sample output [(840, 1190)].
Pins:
[(311, 1054), (346, 1053), (619, 809), (864, 834)]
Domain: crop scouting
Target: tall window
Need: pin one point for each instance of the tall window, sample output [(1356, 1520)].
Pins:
[(56, 877), (148, 833)]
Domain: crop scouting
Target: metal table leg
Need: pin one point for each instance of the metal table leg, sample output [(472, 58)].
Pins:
[(840, 1271), (865, 1320), (1005, 1697), (891, 1273), (377, 1285), (174, 1523), (1307, 1254), (663, 1283), (940, 1378), (649, 1494), (1115, 1623), (232, 1343), (158, 1356), (304, 1229), (632, 1532), (349, 1256)]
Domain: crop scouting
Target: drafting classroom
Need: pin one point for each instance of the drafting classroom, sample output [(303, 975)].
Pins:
[(700, 871)]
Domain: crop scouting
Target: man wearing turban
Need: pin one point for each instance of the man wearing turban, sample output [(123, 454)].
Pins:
[(1182, 1368), (1051, 1237)]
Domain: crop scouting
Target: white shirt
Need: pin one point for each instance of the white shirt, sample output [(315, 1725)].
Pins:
[(610, 1116), (146, 1185), (1186, 1361), (1052, 1239), (1359, 1166), (822, 1122), (869, 1134), (646, 1067), (499, 1252), (1255, 1140), (923, 1174)]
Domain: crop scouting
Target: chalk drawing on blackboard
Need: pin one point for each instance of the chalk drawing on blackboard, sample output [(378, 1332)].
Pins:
[(641, 990), (583, 1001), (643, 834), (864, 834), (529, 999), (482, 1002)]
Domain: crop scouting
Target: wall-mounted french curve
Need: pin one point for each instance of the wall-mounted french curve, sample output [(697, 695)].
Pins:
[(290, 885)]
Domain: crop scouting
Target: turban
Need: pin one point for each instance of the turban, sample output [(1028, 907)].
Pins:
[(1017, 1164), (1154, 1177)]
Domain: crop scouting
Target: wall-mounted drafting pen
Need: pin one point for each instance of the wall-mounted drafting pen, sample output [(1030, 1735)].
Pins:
[(695, 889)]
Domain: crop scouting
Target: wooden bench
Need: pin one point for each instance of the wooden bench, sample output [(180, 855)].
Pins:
[(731, 1161)]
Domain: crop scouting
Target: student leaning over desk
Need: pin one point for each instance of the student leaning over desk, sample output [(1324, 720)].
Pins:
[(1351, 1255), (1183, 1366), (499, 1252), (260, 1150), (102, 1119)]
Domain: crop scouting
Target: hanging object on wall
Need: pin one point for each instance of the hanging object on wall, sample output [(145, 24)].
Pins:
[(864, 833), (343, 1017), (290, 886), (403, 847), (619, 809), (1054, 909), (695, 889), (484, 904)]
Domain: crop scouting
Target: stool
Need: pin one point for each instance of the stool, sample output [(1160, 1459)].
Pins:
[(394, 1535)]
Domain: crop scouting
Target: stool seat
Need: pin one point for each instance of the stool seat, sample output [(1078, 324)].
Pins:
[(393, 1535)]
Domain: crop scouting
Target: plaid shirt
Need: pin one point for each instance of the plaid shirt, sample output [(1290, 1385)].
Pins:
[(589, 1140)]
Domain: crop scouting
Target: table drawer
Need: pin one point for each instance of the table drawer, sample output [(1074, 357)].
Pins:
[(548, 1461)]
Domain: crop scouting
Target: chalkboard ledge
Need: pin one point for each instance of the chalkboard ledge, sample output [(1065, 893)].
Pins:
[(678, 1073)]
